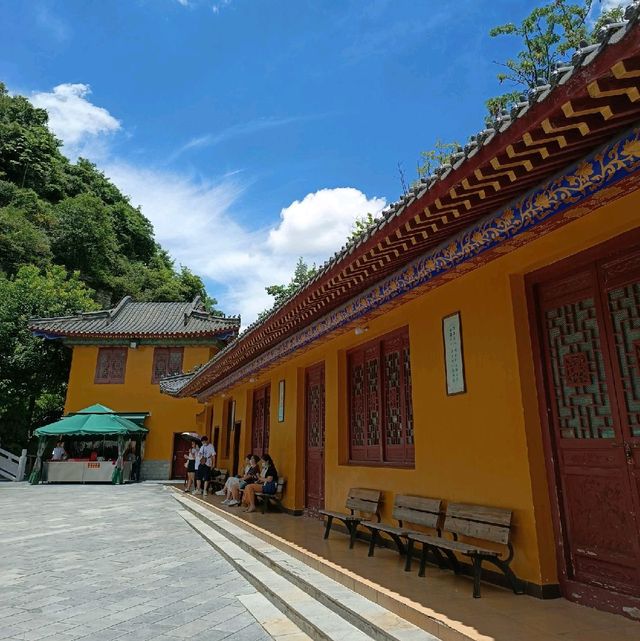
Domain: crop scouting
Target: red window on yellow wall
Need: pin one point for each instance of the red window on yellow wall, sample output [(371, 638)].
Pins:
[(380, 407), (166, 361), (111, 365), (261, 419)]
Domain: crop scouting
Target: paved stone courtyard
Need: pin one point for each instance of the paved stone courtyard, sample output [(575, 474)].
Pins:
[(104, 562)]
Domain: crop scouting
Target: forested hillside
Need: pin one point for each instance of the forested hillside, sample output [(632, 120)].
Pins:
[(69, 241)]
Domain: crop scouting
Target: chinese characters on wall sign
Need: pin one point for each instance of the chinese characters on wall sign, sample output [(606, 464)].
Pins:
[(453, 354)]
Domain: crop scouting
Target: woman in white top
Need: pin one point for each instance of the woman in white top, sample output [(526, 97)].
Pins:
[(235, 484), (190, 462)]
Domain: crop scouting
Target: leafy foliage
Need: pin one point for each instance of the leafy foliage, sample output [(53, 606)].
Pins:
[(280, 293), (69, 241), (548, 35), (361, 225)]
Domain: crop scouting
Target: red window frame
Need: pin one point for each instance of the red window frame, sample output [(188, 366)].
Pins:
[(380, 405), (261, 420), (111, 365), (166, 361)]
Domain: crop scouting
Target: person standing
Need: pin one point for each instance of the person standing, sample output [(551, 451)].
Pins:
[(59, 453), (192, 457), (206, 458)]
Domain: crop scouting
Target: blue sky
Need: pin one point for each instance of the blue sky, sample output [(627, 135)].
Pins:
[(251, 131)]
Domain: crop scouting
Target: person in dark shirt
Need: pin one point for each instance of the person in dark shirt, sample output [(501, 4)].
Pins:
[(267, 483)]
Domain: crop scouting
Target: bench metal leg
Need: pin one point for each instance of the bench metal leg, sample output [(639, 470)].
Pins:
[(423, 559), (372, 542), (477, 570), (442, 564), (407, 562), (353, 530), (516, 584), (453, 561), (399, 544), (328, 527), (265, 500)]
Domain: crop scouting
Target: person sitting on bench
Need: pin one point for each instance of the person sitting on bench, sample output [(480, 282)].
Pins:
[(234, 484), (267, 484)]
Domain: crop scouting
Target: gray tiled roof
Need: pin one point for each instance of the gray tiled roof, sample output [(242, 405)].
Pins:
[(173, 384), (130, 319)]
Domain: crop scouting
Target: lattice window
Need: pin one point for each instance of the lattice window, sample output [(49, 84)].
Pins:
[(380, 408), (577, 369), (624, 304), (166, 362), (111, 365), (261, 423)]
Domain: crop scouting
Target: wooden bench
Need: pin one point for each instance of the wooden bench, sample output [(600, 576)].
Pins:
[(359, 500), (416, 510), (275, 499), (479, 522)]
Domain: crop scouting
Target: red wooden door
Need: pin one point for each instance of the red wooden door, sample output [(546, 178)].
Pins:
[(314, 420), (180, 448), (590, 325), (260, 433)]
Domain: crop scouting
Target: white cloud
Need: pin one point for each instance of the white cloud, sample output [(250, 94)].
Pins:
[(193, 217), (241, 129), (193, 220), (73, 118), (612, 4), (320, 223)]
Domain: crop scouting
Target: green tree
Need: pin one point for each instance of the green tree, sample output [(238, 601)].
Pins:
[(440, 154), (33, 372), (361, 225), (84, 238), (21, 242), (301, 274), (548, 35)]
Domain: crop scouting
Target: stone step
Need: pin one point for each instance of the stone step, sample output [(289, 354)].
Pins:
[(374, 620), (310, 616)]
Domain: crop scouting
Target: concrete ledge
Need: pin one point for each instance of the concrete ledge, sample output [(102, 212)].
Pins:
[(427, 621)]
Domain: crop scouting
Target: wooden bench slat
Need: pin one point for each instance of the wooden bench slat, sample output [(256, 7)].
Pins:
[(416, 517), (384, 527), (341, 515), (421, 503), (483, 514), (360, 505), (365, 494), (477, 530), (448, 544)]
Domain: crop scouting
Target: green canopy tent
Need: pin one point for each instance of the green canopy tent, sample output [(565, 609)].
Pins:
[(96, 420)]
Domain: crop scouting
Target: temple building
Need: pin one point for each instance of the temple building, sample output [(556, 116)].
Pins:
[(119, 357), (480, 344)]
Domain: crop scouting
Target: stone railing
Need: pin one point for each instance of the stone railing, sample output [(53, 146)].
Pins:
[(12, 467)]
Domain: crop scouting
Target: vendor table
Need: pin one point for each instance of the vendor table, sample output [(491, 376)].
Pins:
[(82, 471)]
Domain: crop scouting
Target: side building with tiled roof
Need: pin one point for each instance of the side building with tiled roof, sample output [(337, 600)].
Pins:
[(479, 346), (121, 354)]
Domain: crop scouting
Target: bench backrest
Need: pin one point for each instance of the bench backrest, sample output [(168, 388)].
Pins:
[(418, 510), (364, 500), (477, 521)]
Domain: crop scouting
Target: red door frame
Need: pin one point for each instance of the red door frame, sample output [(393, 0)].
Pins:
[(309, 371), (176, 464), (573, 590)]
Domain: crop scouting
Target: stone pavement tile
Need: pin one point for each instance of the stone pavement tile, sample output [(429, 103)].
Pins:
[(195, 628), (253, 632), (236, 623)]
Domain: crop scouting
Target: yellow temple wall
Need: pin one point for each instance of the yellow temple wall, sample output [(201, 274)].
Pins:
[(137, 394), (482, 447)]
